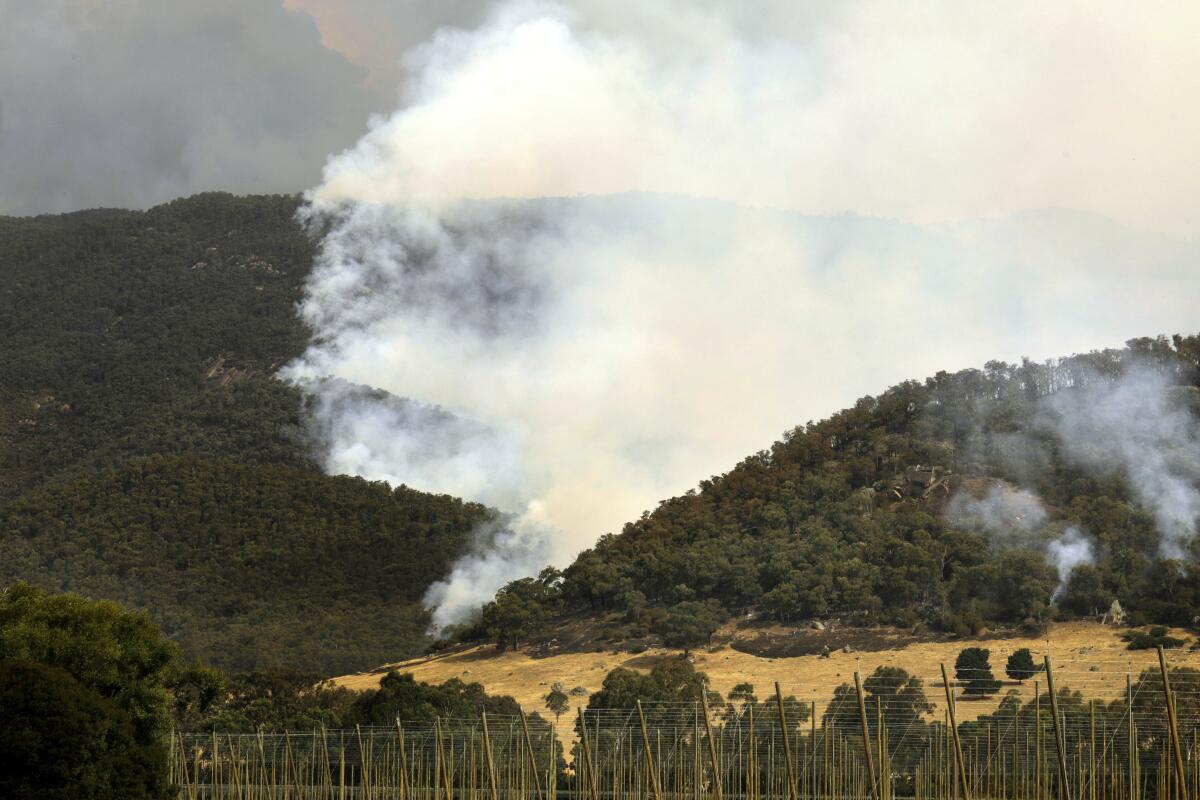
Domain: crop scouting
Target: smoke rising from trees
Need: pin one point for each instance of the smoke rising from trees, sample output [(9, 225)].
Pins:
[(592, 355)]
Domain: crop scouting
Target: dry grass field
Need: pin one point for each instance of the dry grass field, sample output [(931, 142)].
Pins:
[(1087, 657)]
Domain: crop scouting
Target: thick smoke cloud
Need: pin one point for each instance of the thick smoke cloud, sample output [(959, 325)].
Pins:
[(135, 102), (611, 349)]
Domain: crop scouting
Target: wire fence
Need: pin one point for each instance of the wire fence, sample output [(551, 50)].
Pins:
[(881, 738)]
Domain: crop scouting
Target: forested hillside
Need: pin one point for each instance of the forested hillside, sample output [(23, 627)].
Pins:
[(125, 333), (846, 518), (148, 456)]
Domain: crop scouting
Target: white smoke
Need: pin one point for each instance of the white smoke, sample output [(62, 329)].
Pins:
[(598, 354), (1137, 425), (1067, 552), (1006, 514), (1013, 517)]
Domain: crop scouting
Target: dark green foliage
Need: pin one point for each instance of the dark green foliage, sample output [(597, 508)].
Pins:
[(63, 741), (890, 694), (1157, 636), (249, 566), (117, 653), (402, 697), (557, 701), (1020, 666), (674, 680), (973, 671), (691, 623), (112, 321), (273, 700), (520, 608)]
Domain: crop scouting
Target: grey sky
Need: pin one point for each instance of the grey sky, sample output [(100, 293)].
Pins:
[(128, 103), (923, 111)]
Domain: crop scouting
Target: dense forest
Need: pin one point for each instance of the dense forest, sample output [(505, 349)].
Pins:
[(148, 455), (847, 518)]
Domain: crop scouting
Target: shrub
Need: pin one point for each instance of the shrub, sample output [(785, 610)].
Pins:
[(1158, 636), (973, 671), (1020, 665), (63, 741)]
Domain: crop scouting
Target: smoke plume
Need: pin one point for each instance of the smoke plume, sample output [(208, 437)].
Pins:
[(1006, 514), (1012, 517), (1138, 426), (1067, 552), (522, 246)]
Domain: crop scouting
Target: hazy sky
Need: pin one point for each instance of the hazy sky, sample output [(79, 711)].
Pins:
[(919, 111)]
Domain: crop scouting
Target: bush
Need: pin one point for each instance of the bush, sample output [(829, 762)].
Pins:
[(974, 672), (1020, 665), (63, 741), (692, 623), (1156, 637)]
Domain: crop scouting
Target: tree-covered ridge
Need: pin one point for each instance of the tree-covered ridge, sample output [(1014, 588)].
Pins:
[(125, 333), (816, 526), (148, 455), (249, 566)]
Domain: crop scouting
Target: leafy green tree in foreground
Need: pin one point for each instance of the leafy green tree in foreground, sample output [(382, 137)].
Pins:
[(890, 694), (973, 670), (63, 741), (1020, 666), (119, 654)]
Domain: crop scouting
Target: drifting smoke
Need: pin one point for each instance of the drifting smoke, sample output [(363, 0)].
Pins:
[(1005, 514), (1017, 518), (1138, 426), (1066, 553), (592, 355)]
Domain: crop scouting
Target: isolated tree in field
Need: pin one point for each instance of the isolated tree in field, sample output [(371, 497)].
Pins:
[(691, 623), (557, 701), (974, 672), (64, 741), (1020, 666)]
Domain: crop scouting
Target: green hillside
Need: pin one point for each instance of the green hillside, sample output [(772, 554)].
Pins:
[(827, 524), (148, 456)]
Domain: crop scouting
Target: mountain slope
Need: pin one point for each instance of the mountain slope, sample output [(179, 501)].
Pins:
[(148, 455)]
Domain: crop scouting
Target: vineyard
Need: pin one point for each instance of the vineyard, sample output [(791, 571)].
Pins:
[(874, 739)]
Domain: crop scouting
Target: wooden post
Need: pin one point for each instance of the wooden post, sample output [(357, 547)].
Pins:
[(593, 787), (649, 754), (1132, 743), (487, 757), (1180, 774), (964, 791), (712, 747), (866, 737), (1064, 780), (787, 743), (537, 781)]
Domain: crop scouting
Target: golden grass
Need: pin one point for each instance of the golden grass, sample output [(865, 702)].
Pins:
[(1087, 657)]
